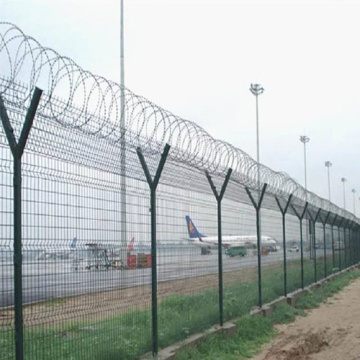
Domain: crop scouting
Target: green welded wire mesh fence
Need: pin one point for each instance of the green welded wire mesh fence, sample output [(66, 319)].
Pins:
[(109, 236)]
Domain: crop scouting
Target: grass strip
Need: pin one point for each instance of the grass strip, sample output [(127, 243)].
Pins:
[(128, 335), (254, 331)]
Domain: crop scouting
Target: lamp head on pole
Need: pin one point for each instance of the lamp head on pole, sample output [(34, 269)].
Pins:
[(304, 139), (256, 89), (343, 180), (328, 164), (353, 191)]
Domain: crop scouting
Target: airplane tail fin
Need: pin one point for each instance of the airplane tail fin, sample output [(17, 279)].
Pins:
[(130, 247), (73, 243), (192, 230)]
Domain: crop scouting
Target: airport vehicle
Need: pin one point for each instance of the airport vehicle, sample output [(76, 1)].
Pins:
[(294, 249), (236, 250), (227, 240), (105, 256), (97, 257)]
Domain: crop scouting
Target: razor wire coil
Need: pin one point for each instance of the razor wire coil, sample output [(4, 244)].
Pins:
[(78, 99)]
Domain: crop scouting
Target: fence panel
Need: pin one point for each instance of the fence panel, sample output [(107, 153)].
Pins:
[(107, 271), (293, 253), (6, 255), (240, 261)]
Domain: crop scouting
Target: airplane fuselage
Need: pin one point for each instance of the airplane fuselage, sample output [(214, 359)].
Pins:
[(229, 240)]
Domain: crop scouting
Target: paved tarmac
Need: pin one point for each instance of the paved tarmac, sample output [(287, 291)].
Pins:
[(48, 279)]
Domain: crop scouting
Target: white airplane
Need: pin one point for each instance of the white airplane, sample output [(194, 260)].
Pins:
[(227, 240), (59, 252)]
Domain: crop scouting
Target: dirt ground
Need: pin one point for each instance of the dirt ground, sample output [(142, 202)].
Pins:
[(330, 332)]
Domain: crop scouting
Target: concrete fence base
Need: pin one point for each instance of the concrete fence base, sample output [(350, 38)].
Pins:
[(229, 328)]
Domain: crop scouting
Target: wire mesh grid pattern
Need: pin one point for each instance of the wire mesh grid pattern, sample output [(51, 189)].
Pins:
[(72, 286)]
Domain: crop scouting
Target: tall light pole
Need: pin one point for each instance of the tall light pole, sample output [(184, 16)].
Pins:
[(122, 135), (122, 76), (343, 180), (304, 139), (328, 164), (257, 89), (354, 191)]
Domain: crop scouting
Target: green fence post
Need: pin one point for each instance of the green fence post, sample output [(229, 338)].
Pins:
[(339, 240), (323, 221), (283, 213), (314, 219), (357, 243), (352, 249), (153, 183), (349, 244), (345, 245), (219, 197), (17, 149), (257, 207), (333, 241), (352, 243), (300, 217)]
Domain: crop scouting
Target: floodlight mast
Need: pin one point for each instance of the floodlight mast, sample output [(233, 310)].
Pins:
[(354, 191), (328, 164), (256, 90), (305, 139), (123, 140), (343, 180)]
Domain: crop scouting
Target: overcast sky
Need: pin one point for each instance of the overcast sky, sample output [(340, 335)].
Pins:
[(197, 59)]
